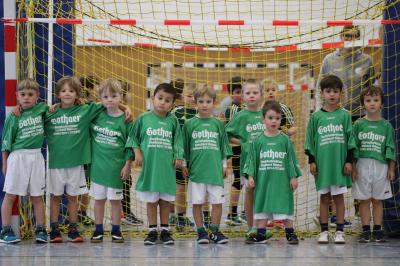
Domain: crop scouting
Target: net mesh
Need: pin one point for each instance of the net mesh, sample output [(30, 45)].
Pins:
[(146, 54)]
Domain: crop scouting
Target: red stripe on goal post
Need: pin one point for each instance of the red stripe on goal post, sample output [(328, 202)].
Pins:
[(387, 21), (332, 23), (177, 22), (286, 48), (10, 41), (231, 22), (192, 48), (140, 44), (68, 20), (330, 45), (10, 88), (285, 23), (239, 49), (131, 22)]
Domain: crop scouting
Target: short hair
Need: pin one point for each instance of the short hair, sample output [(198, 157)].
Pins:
[(88, 83), (110, 85), (235, 83), (29, 84), (73, 82), (204, 90), (167, 88), (331, 81), (252, 82), (267, 82), (271, 105), (350, 28), (178, 84), (371, 91)]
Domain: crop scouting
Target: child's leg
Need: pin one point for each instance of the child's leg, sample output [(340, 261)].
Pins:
[(340, 209), (365, 212), (198, 215), (325, 200), (152, 214), (6, 208), (54, 208), (38, 206), (248, 205), (164, 212), (84, 203), (180, 199), (377, 212), (116, 209), (216, 213), (72, 206), (288, 223), (99, 211), (234, 199)]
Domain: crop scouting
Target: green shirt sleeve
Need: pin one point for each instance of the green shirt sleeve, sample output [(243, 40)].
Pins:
[(294, 169), (186, 141), (309, 140), (9, 133), (134, 134), (251, 164), (357, 142), (232, 128), (390, 152), (351, 144), (178, 142), (128, 152), (226, 150), (95, 109)]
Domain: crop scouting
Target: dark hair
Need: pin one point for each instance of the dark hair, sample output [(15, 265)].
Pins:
[(371, 91), (167, 88), (178, 84), (271, 105), (330, 81), (88, 83), (235, 83), (350, 28), (73, 82)]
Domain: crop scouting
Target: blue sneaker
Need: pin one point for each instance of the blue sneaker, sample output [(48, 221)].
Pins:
[(218, 238), (7, 236), (41, 235), (202, 238)]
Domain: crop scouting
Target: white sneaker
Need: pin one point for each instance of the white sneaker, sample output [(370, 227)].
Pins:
[(339, 237), (323, 237)]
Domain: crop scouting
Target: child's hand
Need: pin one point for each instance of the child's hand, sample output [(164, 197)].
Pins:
[(128, 115), (178, 163), (313, 169), (17, 110), (80, 101), (185, 172), (348, 167), (138, 157), (354, 174), (251, 182), (390, 175), (53, 108), (126, 172), (4, 169), (294, 184), (224, 172)]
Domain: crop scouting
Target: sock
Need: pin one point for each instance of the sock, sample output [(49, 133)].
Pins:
[(6, 227), (152, 227), (201, 229), (289, 231), (324, 227), (339, 227), (54, 226), (261, 231), (115, 228), (377, 227), (99, 228), (164, 227), (234, 212), (366, 228), (214, 228)]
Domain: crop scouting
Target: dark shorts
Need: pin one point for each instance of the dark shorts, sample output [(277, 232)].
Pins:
[(180, 179), (236, 166)]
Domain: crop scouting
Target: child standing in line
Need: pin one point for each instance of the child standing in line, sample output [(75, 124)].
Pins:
[(156, 140), (374, 168), (329, 145), (206, 150), (23, 163), (242, 130), (272, 171), (111, 163)]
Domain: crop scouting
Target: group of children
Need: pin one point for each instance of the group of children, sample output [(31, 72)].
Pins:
[(199, 147)]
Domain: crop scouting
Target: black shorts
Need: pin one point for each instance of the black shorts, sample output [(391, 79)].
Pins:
[(236, 150), (180, 179)]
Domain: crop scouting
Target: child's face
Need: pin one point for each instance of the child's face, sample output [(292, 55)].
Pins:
[(189, 99), (270, 92), (205, 106), (27, 98), (67, 95), (110, 100), (163, 102), (272, 120), (331, 96), (372, 103), (237, 96), (251, 95)]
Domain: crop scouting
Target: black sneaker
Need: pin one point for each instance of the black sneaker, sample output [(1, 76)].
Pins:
[(151, 238), (165, 237), (365, 237), (378, 236), (97, 237), (292, 238), (256, 239), (41, 235), (218, 238), (55, 236), (74, 236), (117, 237)]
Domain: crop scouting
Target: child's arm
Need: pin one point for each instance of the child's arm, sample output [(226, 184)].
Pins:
[(291, 131), (126, 170), (138, 156), (354, 173), (251, 182), (234, 141), (127, 111), (390, 172), (293, 183), (5, 157)]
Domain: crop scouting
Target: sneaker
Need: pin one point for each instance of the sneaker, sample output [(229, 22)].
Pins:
[(55, 236), (218, 238), (332, 222), (117, 237), (131, 219), (202, 238), (378, 236), (233, 221), (173, 219), (250, 235), (323, 237), (41, 235), (165, 237), (292, 238), (97, 237), (257, 239), (7, 236), (74, 235), (85, 220), (243, 217), (151, 238), (365, 237), (339, 237)]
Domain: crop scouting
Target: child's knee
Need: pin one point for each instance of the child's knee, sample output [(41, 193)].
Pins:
[(376, 202), (325, 198)]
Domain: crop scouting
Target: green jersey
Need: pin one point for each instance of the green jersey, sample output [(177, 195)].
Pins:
[(374, 139), (246, 126), (329, 137), (26, 131), (271, 162), (184, 113), (68, 137), (109, 135), (160, 142), (206, 145)]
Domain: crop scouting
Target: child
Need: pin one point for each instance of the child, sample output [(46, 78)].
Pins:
[(111, 163), (272, 171), (23, 163), (183, 111), (67, 132), (242, 130), (374, 169), (206, 150), (329, 145), (157, 135)]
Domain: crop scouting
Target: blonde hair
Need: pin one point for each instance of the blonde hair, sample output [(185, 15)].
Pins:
[(252, 82), (29, 84), (204, 90), (268, 82), (110, 85), (72, 82)]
